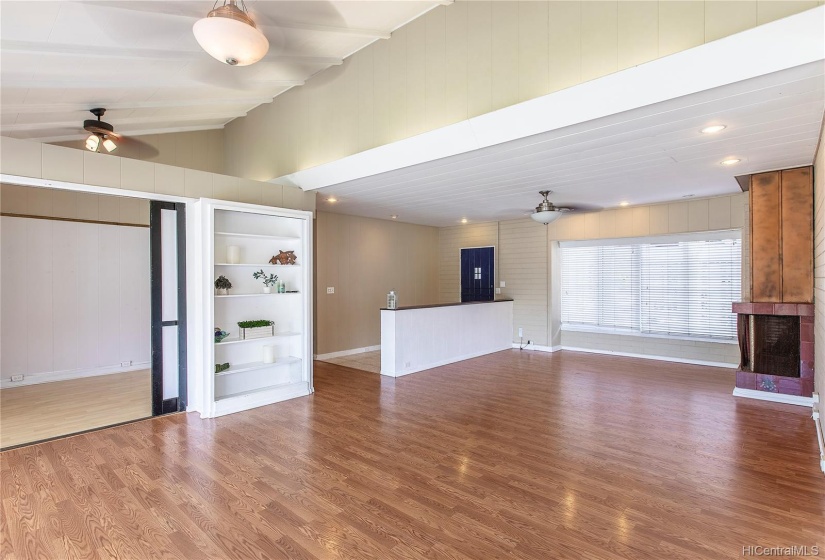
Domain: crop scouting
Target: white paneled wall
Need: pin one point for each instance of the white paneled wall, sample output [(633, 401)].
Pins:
[(75, 299)]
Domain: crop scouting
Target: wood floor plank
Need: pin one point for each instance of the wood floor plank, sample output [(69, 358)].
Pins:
[(513, 455)]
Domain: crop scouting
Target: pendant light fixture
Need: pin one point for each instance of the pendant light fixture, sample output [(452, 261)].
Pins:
[(229, 34), (545, 211)]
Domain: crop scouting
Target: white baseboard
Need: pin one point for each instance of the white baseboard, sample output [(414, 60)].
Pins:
[(773, 397), (65, 375), (347, 352), (431, 365), (537, 347), (652, 357)]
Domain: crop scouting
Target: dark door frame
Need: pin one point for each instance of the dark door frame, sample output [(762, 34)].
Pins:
[(177, 404)]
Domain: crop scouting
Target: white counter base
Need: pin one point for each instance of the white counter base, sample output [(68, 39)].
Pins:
[(418, 339)]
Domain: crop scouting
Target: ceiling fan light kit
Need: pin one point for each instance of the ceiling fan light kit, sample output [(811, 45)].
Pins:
[(229, 34), (101, 132), (545, 211)]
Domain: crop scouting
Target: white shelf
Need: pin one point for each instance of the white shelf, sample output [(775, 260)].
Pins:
[(257, 236), (267, 265), (258, 295), (241, 368), (236, 340), (299, 389)]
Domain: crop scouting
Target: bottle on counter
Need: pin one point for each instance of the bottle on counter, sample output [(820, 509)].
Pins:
[(392, 300)]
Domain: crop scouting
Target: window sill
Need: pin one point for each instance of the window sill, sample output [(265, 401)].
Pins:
[(623, 332)]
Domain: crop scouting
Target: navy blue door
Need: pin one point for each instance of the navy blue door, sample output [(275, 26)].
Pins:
[(477, 274)]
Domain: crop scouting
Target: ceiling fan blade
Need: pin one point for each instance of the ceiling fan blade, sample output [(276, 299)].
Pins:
[(146, 150), (578, 208)]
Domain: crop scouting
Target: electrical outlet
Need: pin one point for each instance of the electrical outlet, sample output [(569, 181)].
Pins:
[(330, 290), (498, 290), (126, 363), (18, 377), (501, 284), (406, 364), (520, 332)]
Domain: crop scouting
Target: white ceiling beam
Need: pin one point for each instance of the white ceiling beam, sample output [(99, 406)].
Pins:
[(72, 82), (70, 137), (56, 49), (353, 31), (121, 123), (42, 108)]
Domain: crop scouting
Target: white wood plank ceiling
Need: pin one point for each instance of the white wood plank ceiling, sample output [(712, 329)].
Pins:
[(647, 155), (140, 60)]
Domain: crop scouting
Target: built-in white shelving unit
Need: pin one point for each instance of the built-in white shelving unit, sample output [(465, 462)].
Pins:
[(259, 232)]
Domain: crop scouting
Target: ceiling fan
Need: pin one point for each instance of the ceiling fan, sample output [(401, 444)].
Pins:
[(103, 134), (546, 212)]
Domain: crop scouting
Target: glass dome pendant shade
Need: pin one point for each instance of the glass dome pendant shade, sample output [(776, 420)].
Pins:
[(228, 34), (546, 212)]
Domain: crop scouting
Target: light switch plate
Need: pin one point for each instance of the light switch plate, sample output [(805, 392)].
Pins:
[(498, 290), (501, 284), (330, 290)]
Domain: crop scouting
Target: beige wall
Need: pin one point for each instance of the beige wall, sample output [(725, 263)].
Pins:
[(363, 259), (525, 262), (467, 59), (202, 150), (55, 203), (58, 163), (819, 275)]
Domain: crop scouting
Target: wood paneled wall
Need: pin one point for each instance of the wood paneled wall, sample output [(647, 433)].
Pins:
[(467, 59), (75, 299), (781, 224), (202, 150), (58, 163), (819, 274), (363, 259)]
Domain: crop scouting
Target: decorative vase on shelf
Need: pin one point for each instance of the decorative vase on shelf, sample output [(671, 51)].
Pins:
[(269, 354), (267, 289), (221, 291), (233, 254), (281, 287)]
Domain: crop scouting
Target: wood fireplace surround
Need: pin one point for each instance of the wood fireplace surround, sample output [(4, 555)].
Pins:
[(776, 328)]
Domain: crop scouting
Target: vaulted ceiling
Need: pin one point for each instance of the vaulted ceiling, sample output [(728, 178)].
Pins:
[(140, 60)]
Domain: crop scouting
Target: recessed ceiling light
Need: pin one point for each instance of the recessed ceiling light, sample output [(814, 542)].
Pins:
[(713, 129), (730, 161), (624, 203), (332, 199), (394, 216), (463, 220)]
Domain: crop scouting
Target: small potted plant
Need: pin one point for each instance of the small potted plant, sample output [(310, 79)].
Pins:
[(222, 284), (268, 280)]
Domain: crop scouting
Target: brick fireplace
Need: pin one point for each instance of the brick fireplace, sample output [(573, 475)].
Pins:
[(776, 344)]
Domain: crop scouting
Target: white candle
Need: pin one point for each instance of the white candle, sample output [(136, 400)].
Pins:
[(233, 254), (269, 354)]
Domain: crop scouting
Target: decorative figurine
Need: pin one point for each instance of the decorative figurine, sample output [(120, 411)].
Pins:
[(284, 257)]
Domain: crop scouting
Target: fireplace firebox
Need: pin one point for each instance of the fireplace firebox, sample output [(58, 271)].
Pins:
[(776, 344)]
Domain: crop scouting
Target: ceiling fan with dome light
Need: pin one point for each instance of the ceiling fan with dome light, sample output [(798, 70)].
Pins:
[(547, 212)]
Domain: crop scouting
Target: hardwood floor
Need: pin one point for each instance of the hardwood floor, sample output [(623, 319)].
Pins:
[(37, 412), (365, 361), (513, 455)]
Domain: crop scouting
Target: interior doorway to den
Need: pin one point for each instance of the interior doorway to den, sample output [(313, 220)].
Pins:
[(477, 274), (77, 295)]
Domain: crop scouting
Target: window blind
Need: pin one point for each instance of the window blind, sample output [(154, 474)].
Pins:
[(682, 286)]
